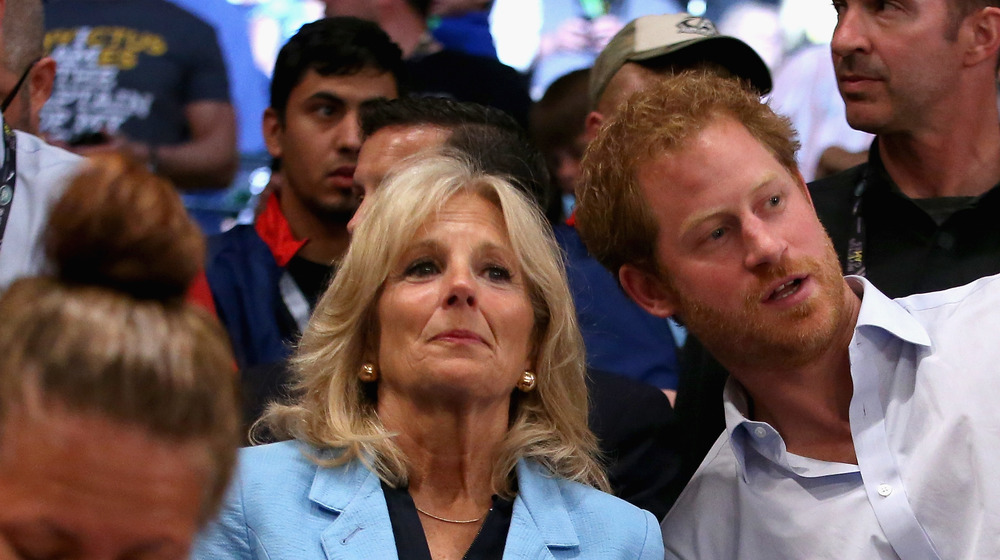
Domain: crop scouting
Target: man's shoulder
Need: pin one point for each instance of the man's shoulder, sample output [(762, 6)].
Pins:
[(833, 198), (717, 477), (705, 512), (977, 297), (838, 187), (241, 241), (35, 155), (239, 253)]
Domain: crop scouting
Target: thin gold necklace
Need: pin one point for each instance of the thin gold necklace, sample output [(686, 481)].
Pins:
[(461, 521)]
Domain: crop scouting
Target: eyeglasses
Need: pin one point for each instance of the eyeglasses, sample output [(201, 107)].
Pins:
[(13, 93)]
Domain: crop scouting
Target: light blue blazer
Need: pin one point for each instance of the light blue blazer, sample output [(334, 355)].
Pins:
[(282, 506)]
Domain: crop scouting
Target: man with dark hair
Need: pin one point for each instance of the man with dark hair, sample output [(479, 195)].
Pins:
[(398, 128), (265, 278), (434, 70), (922, 213), (857, 426)]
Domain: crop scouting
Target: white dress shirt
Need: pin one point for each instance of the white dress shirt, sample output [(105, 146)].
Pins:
[(43, 171), (926, 429)]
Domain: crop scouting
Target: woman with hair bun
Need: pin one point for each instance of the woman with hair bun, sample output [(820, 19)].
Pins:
[(118, 421)]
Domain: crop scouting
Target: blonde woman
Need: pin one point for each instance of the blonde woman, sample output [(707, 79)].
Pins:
[(441, 407)]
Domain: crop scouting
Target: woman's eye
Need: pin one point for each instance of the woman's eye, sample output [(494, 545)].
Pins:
[(497, 273), (774, 201), (422, 269)]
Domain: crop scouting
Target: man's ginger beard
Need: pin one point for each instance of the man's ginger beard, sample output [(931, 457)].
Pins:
[(743, 338)]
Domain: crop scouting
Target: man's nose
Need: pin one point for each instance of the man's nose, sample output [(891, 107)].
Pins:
[(850, 35), (763, 245)]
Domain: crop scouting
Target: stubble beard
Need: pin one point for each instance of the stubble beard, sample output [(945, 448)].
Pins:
[(751, 337)]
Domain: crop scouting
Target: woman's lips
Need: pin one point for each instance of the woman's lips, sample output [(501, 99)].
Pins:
[(458, 336)]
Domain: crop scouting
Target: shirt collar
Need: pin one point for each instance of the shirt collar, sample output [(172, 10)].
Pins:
[(878, 311), (273, 229), (755, 441)]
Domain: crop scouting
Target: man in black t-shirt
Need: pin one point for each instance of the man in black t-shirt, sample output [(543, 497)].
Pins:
[(145, 77)]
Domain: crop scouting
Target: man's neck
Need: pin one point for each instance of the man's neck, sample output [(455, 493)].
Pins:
[(809, 405), (328, 240), (961, 158)]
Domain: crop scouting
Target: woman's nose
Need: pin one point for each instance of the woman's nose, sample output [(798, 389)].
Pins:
[(461, 288)]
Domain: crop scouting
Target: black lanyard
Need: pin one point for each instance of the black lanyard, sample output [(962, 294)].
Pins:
[(855, 263), (8, 176)]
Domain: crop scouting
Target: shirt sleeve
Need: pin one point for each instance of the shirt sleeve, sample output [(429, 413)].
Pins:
[(207, 79)]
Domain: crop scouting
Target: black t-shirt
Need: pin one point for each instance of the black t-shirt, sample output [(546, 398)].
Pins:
[(129, 66), (311, 277)]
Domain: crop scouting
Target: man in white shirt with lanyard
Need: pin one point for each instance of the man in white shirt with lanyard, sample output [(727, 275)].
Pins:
[(856, 426), (32, 177)]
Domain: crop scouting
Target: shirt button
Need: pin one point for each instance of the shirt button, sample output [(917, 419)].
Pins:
[(760, 432), (884, 490)]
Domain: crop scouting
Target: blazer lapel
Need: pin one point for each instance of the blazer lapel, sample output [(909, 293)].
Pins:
[(362, 529), (540, 520)]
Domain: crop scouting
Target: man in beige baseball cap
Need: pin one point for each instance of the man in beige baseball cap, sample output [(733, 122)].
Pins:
[(650, 47)]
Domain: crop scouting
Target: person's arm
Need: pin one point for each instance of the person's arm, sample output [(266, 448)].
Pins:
[(209, 159)]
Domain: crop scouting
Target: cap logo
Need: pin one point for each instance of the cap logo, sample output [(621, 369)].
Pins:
[(697, 26)]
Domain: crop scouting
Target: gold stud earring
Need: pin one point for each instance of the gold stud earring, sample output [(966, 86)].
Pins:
[(527, 382), (368, 373)]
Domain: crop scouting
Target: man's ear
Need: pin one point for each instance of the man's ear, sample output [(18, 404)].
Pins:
[(43, 76), (982, 28), (273, 132), (591, 125), (647, 290), (40, 79)]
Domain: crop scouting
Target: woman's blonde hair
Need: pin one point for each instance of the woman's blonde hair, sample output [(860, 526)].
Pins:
[(335, 410), (110, 333)]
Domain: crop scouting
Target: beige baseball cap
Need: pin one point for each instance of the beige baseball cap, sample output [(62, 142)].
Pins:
[(695, 38)]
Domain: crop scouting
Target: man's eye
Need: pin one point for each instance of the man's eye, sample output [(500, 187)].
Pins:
[(717, 233), (421, 269), (498, 273), (774, 201)]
